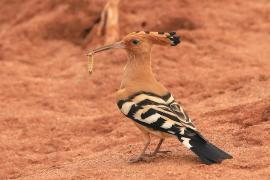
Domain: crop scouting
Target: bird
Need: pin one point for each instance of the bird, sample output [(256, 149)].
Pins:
[(152, 108)]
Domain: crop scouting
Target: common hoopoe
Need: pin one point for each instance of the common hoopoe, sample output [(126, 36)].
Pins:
[(149, 104)]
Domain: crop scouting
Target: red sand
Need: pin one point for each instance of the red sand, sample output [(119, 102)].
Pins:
[(56, 122)]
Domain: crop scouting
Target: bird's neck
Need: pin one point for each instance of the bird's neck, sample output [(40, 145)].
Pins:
[(138, 70)]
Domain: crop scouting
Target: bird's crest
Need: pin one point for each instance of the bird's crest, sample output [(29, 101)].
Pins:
[(161, 38)]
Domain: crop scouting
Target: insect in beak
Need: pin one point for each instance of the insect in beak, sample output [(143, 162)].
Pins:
[(117, 45)]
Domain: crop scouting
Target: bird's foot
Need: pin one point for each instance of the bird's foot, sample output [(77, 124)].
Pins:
[(144, 158), (158, 152)]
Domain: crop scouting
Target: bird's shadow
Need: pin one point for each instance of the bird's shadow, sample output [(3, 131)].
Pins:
[(176, 158), (186, 159)]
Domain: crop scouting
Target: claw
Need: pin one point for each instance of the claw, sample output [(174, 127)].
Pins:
[(155, 153), (144, 158), (135, 160)]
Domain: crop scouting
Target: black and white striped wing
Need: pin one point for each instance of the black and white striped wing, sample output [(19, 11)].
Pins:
[(160, 113)]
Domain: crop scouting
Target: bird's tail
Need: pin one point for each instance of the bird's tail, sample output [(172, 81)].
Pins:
[(207, 152)]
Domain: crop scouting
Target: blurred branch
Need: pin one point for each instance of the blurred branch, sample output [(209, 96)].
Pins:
[(109, 22)]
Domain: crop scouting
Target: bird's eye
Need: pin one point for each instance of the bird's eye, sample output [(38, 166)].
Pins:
[(135, 41)]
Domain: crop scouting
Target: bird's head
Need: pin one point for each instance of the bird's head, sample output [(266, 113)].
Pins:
[(142, 42)]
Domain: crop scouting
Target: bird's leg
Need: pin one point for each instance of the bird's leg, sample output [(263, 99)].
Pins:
[(158, 147), (142, 154)]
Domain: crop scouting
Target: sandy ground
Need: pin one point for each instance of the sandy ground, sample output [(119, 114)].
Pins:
[(56, 122)]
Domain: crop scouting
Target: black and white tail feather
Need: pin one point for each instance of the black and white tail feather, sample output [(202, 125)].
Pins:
[(162, 113), (207, 152)]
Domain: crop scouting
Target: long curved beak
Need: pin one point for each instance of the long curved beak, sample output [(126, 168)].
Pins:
[(117, 45)]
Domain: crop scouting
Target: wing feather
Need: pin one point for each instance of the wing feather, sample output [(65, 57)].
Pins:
[(156, 112)]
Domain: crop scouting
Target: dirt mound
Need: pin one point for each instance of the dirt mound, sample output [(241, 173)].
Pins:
[(56, 122)]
